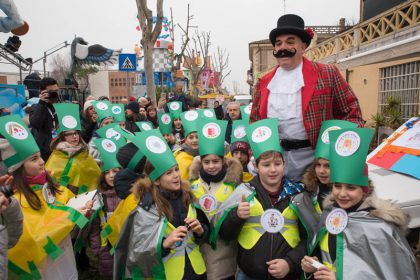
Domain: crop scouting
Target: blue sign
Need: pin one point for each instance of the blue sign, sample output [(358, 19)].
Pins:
[(127, 62)]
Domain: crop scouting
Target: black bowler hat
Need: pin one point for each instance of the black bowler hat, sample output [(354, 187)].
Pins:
[(290, 24)]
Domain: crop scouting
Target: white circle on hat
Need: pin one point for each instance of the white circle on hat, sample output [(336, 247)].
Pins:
[(347, 143), (166, 119), (109, 146), (191, 115), (208, 113), (272, 220), (116, 109), (336, 221), (261, 134), (16, 130), (146, 126), (211, 130), (101, 106), (208, 203), (174, 106), (155, 145), (247, 109), (325, 138), (239, 132), (111, 133), (69, 121)]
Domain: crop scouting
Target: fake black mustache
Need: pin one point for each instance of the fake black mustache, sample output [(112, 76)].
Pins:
[(284, 53)]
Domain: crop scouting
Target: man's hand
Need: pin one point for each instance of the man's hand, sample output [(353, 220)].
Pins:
[(44, 96), (278, 268)]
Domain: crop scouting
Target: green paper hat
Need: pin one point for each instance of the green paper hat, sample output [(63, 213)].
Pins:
[(246, 112), (118, 112), (124, 132), (103, 109), (211, 136), (108, 150), (239, 131), (175, 109), (68, 117), (144, 126), (15, 131), (165, 123), (109, 132), (348, 150), (323, 144), (189, 121), (154, 147), (207, 114), (263, 136)]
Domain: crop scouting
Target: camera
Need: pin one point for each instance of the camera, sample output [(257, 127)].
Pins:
[(52, 94), (7, 190)]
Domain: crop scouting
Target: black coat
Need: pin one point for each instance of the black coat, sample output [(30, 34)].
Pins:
[(88, 128), (220, 115)]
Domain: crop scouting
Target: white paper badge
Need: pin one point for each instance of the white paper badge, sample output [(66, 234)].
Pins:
[(47, 194), (347, 143), (325, 138), (247, 109), (146, 126), (155, 145), (272, 220), (239, 132), (109, 146), (174, 106), (208, 202), (101, 106), (208, 113), (166, 119), (111, 133), (261, 134), (17, 131), (191, 116), (211, 130), (69, 122), (116, 110), (336, 221)]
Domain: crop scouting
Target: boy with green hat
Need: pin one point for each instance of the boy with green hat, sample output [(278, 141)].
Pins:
[(354, 221), (259, 216), (118, 114), (161, 237), (239, 147), (175, 110), (104, 112)]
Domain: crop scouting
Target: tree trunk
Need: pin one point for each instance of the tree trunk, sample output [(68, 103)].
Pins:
[(148, 69)]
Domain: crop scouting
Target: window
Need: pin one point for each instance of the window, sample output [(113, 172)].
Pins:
[(401, 81)]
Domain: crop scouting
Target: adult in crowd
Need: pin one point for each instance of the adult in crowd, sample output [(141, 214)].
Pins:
[(301, 94), (218, 109), (152, 116), (88, 119), (132, 116), (42, 117), (233, 110), (32, 83)]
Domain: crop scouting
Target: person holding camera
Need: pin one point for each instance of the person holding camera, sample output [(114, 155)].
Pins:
[(42, 117)]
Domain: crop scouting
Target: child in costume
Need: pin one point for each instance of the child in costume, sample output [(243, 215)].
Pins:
[(189, 149), (361, 236), (161, 237), (175, 110), (44, 250), (239, 147), (165, 127), (70, 163), (271, 239), (213, 178)]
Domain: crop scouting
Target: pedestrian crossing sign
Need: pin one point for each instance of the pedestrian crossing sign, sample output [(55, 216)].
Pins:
[(127, 62)]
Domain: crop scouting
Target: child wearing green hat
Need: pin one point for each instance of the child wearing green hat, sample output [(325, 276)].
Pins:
[(165, 127), (70, 163), (44, 251), (213, 178), (189, 149), (161, 237), (175, 110), (271, 239), (359, 234)]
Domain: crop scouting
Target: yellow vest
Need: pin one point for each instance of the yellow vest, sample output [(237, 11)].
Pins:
[(247, 177), (325, 252), (174, 263), (252, 230)]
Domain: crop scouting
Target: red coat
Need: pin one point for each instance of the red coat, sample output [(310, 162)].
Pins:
[(326, 95)]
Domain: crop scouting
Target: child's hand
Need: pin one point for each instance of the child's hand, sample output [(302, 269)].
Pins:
[(244, 209), (324, 273), (305, 264), (278, 268), (194, 226), (89, 204), (176, 236)]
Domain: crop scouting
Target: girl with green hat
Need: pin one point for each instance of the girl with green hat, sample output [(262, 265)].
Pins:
[(271, 239), (70, 163), (165, 127), (357, 228), (44, 251), (161, 237), (213, 178), (175, 111), (189, 149)]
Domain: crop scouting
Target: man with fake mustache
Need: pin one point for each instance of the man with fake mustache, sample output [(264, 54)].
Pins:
[(301, 94)]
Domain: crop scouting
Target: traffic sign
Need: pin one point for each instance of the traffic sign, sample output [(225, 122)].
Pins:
[(127, 62)]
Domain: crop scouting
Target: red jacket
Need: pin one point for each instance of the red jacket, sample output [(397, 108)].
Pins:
[(326, 95)]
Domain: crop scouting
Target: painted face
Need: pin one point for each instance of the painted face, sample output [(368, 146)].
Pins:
[(177, 123), (192, 140), (322, 170), (271, 172), (291, 43), (243, 157), (109, 176), (234, 112), (34, 165), (171, 179), (72, 137), (347, 195), (212, 164)]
